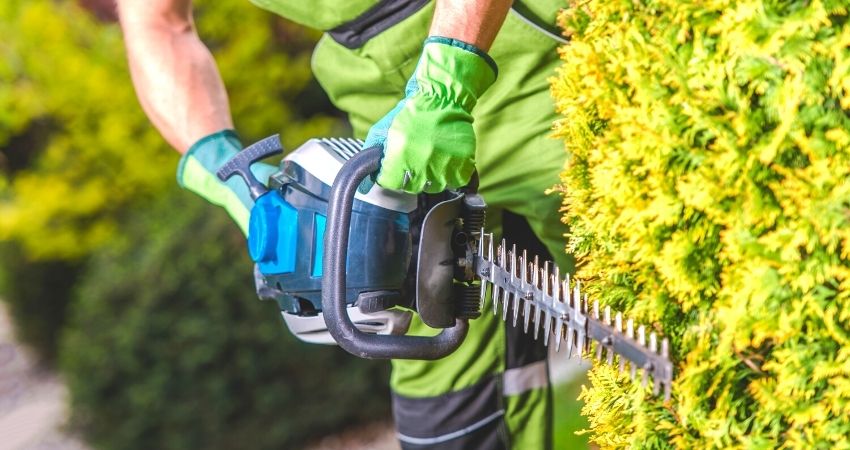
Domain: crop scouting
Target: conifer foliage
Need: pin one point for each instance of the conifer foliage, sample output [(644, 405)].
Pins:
[(708, 193)]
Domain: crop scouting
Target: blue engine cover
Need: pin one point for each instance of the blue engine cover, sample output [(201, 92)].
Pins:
[(287, 225)]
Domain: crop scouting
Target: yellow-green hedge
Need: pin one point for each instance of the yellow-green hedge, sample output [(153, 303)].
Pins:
[(707, 192)]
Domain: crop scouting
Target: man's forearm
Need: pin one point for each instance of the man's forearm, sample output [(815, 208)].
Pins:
[(475, 22), (176, 79)]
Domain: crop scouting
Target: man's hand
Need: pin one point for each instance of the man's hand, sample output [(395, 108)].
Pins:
[(197, 173), (428, 139)]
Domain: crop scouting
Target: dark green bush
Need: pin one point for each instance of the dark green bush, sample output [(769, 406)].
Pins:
[(37, 295), (169, 348)]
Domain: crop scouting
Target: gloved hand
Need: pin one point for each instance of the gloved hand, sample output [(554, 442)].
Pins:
[(428, 140), (197, 168)]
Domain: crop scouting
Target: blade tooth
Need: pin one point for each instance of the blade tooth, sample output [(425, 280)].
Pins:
[(526, 304), (565, 292), (494, 296), (535, 271), (642, 342), (583, 332), (483, 293), (630, 332), (506, 294), (517, 298), (585, 305), (481, 243), (503, 249), (506, 298), (607, 321), (537, 314), (556, 284), (580, 344), (559, 333), (523, 279), (526, 314), (494, 293), (656, 380), (568, 324), (513, 263), (547, 292), (562, 298), (576, 296), (618, 325), (576, 299), (490, 257), (665, 353), (502, 254)]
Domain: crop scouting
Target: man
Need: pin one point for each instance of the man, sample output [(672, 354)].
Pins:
[(477, 98)]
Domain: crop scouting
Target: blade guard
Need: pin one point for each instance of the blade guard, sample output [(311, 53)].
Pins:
[(335, 255), (435, 293)]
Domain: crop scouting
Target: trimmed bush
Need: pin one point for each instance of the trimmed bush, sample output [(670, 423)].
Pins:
[(708, 193), (169, 348)]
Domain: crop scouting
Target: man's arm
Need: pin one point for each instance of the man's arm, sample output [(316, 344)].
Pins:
[(475, 22), (181, 91), (175, 76)]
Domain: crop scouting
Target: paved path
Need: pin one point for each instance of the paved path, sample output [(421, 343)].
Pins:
[(32, 401)]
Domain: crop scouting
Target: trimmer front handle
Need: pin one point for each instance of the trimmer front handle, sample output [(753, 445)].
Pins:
[(334, 260)]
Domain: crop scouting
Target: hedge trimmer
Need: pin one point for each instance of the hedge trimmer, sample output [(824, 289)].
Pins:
[(347, 267)]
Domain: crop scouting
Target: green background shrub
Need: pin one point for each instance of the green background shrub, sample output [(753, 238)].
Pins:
[(169, 348), (708, 194)]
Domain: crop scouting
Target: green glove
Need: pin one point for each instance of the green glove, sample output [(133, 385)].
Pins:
[(197, 168), (428, 140)]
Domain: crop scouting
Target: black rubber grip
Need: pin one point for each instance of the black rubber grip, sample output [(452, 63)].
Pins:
[(241, 163)]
